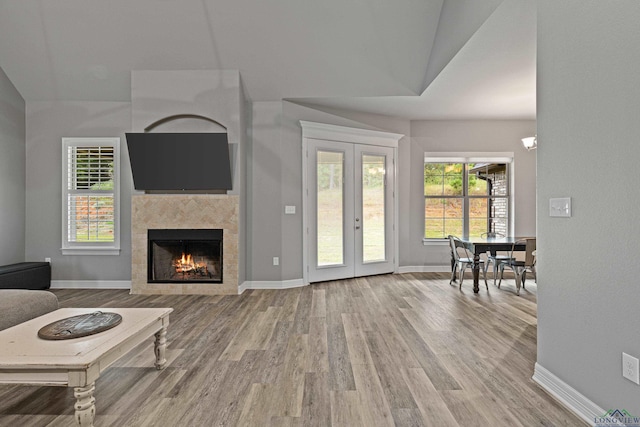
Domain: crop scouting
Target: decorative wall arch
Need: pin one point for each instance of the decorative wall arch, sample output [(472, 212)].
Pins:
[(182, 116)]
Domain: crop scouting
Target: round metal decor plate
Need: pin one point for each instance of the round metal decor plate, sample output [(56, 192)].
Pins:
[(79, 326)]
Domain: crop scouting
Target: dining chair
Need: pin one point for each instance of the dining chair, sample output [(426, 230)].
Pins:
[(521, 262), (494, 259), (461, 262)]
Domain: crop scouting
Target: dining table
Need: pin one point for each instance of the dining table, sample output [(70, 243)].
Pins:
[(481, 245)]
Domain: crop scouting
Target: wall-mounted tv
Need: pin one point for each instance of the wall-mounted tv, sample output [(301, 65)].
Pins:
[(180, 161)]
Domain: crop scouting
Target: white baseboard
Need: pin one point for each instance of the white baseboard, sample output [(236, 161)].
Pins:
[(273, 284), (126, 284), (567, 395), (91, 284), (243, 287), (425, 269)]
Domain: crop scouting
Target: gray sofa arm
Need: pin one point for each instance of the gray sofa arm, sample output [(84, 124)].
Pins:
[(20, 305)]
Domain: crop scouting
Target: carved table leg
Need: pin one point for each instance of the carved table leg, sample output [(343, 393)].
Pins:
[(85, 405), (476, 273), (160, 348)]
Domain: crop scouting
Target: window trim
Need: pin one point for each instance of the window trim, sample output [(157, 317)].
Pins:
[(470, 157), (91, 248)]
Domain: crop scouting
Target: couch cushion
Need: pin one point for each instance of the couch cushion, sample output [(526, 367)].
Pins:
[(20, 305)]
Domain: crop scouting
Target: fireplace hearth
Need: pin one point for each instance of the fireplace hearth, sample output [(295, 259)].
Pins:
[(185, 256)]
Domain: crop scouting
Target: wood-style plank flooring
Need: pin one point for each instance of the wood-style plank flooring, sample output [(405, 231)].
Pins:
[(403, 350)]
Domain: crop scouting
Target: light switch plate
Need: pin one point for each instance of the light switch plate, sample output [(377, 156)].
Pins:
[(560, 207), (289, 210)]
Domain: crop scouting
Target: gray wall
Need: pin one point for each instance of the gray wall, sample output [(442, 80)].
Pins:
[(47, 123), (461, 136), (276, 168), (266, 193), (12, 173), (246, 120), (588, 127), (276, 162)]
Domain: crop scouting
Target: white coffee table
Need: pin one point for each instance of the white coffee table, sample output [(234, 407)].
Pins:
[(27, 359)]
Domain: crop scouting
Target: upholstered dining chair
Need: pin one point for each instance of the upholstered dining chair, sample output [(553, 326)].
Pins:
[(461, 260), (521, 262), (494, 259)]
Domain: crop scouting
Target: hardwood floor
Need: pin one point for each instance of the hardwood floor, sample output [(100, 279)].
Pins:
[(404, 350)]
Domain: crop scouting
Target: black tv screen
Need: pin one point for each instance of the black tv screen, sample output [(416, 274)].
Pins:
[(179, 161)]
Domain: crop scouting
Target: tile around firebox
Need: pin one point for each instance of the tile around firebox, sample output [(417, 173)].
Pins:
[(189, 211)]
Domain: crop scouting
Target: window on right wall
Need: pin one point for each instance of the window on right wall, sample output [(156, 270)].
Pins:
[(466, 196)]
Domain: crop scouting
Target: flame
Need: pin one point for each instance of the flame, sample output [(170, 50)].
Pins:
[(186, 263), (186, 260)]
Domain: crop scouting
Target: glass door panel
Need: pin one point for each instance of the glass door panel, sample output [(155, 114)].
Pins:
[(373, 208), (330, 210), (330, 207), (374, 183)]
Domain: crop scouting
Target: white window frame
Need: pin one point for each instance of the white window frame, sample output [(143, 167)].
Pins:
[(91, 248), (471, 157)]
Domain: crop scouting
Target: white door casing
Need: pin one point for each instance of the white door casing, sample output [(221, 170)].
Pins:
[(361, 246)]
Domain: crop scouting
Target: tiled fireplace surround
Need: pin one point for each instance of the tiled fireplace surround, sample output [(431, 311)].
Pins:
[(189, 211)]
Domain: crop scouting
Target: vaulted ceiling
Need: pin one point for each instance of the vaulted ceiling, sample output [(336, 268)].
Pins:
[(417, 59)]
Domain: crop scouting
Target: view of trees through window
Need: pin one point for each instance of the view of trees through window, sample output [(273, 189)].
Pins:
[(465, 199)]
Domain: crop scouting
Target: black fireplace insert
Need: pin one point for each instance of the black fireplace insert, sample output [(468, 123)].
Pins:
[(184, 256)]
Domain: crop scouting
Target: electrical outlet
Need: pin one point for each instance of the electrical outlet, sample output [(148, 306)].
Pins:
[(47, 260), (276, 260), (630, 368)]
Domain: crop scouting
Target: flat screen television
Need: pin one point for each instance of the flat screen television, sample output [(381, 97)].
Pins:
[(180, 161)]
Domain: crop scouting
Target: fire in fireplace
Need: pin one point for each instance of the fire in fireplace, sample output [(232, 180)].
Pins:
[(185, 255)]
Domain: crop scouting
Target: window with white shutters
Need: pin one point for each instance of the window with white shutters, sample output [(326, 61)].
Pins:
[(91, 196)]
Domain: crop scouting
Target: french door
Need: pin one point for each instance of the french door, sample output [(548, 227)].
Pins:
[(350, 210)]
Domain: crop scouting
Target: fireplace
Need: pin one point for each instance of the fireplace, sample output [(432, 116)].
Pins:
[(184, 256)]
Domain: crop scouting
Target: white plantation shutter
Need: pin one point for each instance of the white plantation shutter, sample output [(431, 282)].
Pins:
[(91, 182)]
